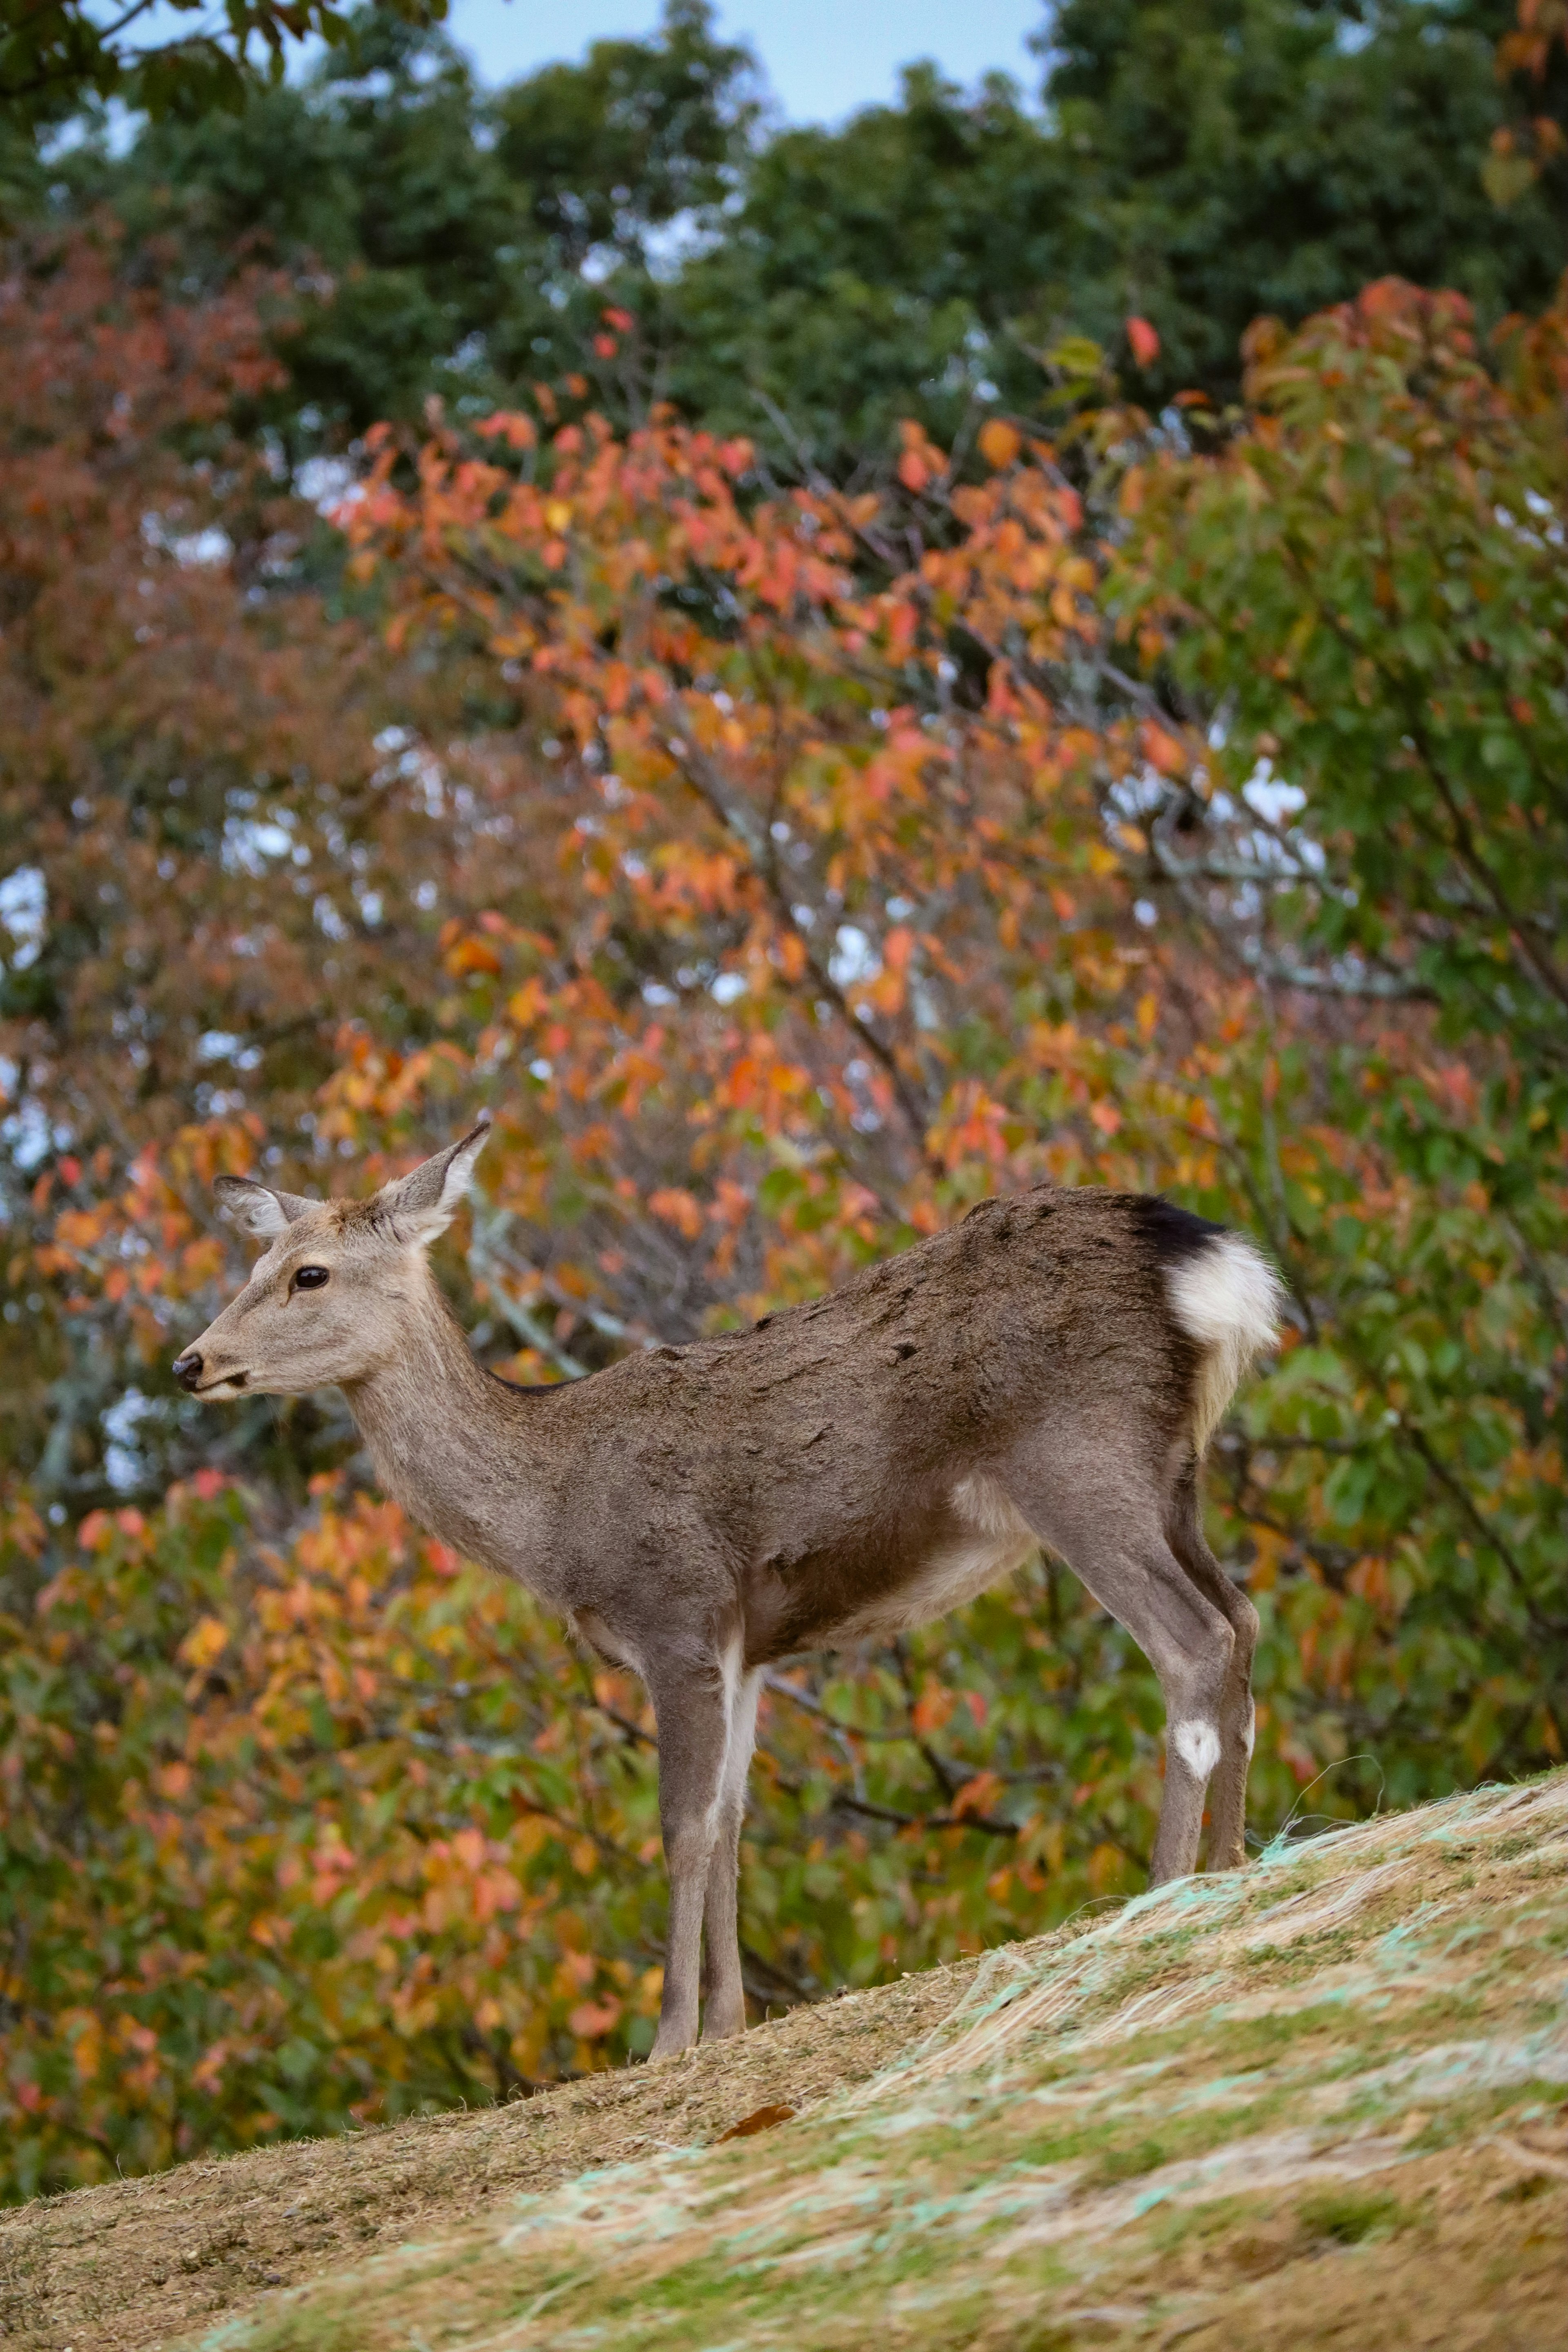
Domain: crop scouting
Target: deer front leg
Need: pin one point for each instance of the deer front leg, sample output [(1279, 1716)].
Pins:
[(691, 1708), (723, 1995)]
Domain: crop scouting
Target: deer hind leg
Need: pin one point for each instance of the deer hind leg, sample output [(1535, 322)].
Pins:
[(1108, 1526), (723, 1995), (692, 1704), (1227, 1796)]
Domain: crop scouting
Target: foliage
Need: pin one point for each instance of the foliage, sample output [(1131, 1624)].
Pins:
[(1194, 161), (438, 242), (266, 1869), (182, 725), (1369, 587), (1237, 156), (53, 57)]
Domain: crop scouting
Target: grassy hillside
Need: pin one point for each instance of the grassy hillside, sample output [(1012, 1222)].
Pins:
[(1321, 2103)]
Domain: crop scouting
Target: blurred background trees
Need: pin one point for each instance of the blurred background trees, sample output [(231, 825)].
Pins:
[(1195, 162), (577, 600)]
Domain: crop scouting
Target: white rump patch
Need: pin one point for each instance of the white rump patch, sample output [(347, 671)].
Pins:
[(1228, 1298), (1198, 1744), (1251, 1728)]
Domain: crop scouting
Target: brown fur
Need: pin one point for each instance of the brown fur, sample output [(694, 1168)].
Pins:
[(846, 1466)]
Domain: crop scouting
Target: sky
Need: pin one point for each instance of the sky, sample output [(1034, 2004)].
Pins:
[(822, 58)]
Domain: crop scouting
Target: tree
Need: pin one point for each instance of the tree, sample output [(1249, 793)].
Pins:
[(439, 243), (611, 150), (194, 806), (1237, 156), (55, 56), (1197, 162), (1368, 587)]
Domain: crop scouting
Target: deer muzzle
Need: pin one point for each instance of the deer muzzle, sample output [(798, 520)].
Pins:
[(190, 1368)]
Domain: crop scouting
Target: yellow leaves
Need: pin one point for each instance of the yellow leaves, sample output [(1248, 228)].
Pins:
[(204, 1644), (1107, 1870), (526, 1006)]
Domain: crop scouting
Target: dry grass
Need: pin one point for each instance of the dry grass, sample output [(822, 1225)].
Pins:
[(1321, 2102)]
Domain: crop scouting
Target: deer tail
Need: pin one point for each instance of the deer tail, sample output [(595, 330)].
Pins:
[(1228, 1297)]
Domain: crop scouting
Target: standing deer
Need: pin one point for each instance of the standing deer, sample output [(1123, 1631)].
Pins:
[(1049, 1370)]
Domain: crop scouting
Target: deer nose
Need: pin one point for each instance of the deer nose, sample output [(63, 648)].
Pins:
[(188, 1370)]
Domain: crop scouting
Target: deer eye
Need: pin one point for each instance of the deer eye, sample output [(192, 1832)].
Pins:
[(311, 1277)]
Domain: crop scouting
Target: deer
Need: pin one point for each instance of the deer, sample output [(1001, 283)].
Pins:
[(1048, 1371)]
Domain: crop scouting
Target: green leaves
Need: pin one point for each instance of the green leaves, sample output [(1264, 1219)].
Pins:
[(53, 56), (1371, 584)]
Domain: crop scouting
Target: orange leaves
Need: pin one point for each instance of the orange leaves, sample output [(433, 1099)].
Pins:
[(1160, 749), (933, 1708), (511, 426), (471, 955), (678, 1208), (978, 1795), (921, 464), (321, 1792), (593, 2019), (768, 772), (999, 443)]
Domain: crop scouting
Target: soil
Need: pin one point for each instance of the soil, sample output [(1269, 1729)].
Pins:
[(136, 2264)]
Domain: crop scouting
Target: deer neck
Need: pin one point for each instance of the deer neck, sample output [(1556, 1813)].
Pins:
[(450, 1445)]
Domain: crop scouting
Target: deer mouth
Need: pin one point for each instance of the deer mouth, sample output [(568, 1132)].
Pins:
[(229, 1381)]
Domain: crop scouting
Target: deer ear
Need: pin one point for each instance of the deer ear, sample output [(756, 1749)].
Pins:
[(423, 1202), (257, 1207)]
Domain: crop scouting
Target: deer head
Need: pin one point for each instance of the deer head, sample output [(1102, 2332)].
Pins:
[(327, 1302)]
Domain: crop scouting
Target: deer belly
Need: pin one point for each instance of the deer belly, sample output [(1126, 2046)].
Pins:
[(985, 1539)]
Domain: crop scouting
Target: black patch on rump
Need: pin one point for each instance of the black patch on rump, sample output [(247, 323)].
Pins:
[(1172, 1234), (1173, 1237)]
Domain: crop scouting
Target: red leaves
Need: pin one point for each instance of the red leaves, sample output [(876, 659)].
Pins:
[(1143, 342), (593, 2019)]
